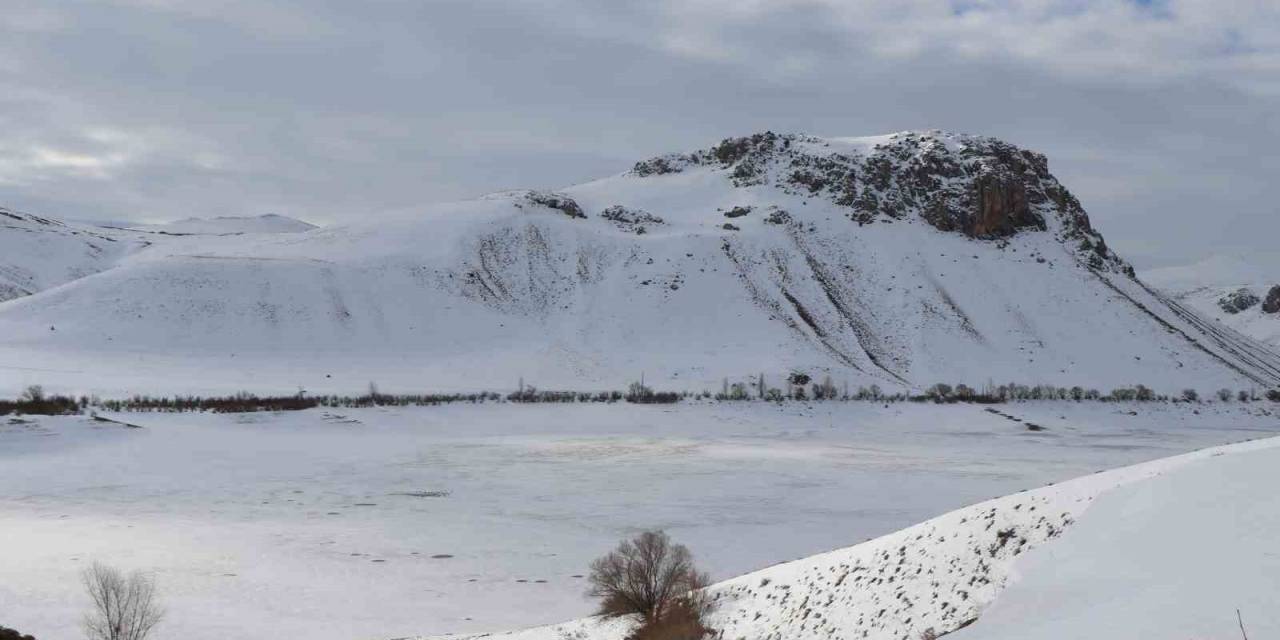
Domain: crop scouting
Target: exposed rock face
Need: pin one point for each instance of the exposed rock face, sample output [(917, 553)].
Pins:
[(981, 187), (1002, 208), (549, 199), (1242, 299), (1272, 303), (634, 220)]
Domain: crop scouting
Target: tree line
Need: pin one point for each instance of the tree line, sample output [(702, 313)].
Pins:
[(797, 387)]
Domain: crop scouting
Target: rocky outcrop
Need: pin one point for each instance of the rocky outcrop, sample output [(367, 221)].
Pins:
[(636, 221), (1272, 303), (1239, 300), (549, 199), (981, 187)]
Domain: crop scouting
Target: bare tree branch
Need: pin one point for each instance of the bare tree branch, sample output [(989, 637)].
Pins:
[(124, 607)]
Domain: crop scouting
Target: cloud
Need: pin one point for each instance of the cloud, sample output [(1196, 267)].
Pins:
[(1158, 113)]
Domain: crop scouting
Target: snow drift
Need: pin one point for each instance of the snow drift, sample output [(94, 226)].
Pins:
[(898, 260)]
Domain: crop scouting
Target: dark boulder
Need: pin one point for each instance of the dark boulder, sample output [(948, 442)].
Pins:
[(1238, 300), (1272, 303)]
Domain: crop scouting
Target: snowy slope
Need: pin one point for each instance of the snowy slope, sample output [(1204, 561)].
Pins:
[(1109, 579), (1171, 557), (227, 225), (1241, 285), (901, 260), (38, 252)]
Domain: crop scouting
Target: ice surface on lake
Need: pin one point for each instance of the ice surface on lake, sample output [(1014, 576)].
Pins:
[(393, 522)]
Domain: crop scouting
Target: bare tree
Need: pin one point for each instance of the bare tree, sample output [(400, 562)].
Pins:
[(124, 607), (651, 577)]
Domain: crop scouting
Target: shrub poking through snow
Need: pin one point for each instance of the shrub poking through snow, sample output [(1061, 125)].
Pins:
[(10, 634), (654, 579), (35, 401)]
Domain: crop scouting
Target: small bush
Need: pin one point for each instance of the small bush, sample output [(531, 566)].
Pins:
[(10, 634), (683, 621)]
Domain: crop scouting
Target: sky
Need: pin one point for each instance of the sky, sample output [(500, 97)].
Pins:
[(1162, 116)]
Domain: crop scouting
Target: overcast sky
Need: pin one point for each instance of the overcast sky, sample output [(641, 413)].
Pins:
[(1162, 116)]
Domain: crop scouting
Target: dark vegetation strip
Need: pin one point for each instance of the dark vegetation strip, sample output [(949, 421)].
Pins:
[(798, 388)]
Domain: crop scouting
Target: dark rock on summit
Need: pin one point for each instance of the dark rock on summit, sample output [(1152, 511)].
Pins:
[(978, 186)]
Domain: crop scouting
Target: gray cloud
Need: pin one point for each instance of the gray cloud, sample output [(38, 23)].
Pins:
[(1159, 114)]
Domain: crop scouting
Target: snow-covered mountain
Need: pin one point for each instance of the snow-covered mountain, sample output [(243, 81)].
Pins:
[(229, 225), (900, 260), (1236, 292)]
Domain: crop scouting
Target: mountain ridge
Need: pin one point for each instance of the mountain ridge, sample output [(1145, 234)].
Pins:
[(904, 259)]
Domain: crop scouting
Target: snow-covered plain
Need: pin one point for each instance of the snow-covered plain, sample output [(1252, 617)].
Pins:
[(394, 522), (1167, 548)]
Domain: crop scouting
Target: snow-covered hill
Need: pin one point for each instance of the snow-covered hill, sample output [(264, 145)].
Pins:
[(230, 225), (38, 252), (900, 260), (1232, 291), (1172, 548)]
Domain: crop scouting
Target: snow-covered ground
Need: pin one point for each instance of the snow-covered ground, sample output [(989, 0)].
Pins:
[(1170, 557), (1201, 286), (391, 522), (1168, 548)]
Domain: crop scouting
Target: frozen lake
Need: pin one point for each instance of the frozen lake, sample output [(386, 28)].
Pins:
[(380, 523)]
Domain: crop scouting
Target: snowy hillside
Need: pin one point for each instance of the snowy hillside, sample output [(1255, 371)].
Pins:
[(230, 225), (1121, 569), (37, 252), (1234, 292), (899, 260)]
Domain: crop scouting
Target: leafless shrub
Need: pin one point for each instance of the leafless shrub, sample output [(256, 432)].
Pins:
[(124, 606), (10, 634), (655, 579)]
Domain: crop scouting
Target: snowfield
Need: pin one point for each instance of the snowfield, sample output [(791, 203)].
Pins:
[(1168, 548), (384, 523)]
